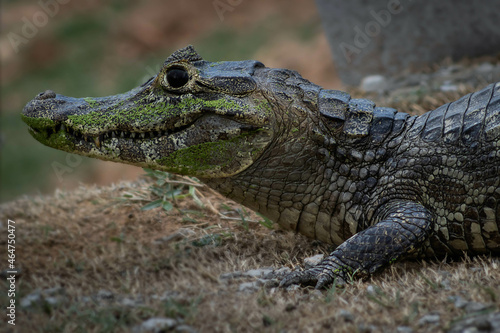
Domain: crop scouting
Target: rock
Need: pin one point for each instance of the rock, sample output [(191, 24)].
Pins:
[(231, 275), (249, 287), (448, 86), (104, 294), (489, 322), (370, 289), (374, 83), (471, 307), (258, 273), (185, 328), (485, 67), (313, 261), (129, 302), (346, 315), (404, 329), (31, 299), (429, 319), (265, 272), (458, 301), (53, 296), (363, 328), (155, 325)]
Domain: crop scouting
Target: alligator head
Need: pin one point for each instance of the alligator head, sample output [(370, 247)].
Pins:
[(194, 117), (250, 132)]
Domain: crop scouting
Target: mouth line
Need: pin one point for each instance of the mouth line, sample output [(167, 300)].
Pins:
[(98, 139)]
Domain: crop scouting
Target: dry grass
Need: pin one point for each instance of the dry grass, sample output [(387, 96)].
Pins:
[(95, 239)]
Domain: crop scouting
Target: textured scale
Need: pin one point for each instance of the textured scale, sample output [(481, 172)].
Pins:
[(378, 184)]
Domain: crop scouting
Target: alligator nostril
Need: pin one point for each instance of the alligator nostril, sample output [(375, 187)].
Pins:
[(46, 95)]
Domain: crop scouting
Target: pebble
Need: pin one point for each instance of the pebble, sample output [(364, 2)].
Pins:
[(310, 262), (346, 315), (155, 325), (104, 294), (448, 86), (479, 323), (185, 328), (257, 273), (363, 328), (458, 301), (429, 319), (231, 275), (370, 289), (249, 286), (374, 83), (472, 307), (404, 329), (53, 296)]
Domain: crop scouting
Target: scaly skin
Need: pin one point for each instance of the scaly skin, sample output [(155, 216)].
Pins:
[(378, 184)]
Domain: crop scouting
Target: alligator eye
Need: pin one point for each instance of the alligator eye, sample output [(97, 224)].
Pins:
[(177, 77)]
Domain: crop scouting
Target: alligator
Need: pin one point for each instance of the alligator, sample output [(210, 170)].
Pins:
[(378, 184)]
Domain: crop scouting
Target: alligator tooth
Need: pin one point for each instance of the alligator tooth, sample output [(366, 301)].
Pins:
[(97, 141), (113, 134), (85, 137), (132, 135), (122, 135), (63, 128), (143, 135)]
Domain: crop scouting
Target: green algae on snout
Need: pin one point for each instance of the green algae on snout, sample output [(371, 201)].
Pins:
[(38, 123), (40, 127), (144, 114)]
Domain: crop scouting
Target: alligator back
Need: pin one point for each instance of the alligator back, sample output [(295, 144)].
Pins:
[(458, 166)]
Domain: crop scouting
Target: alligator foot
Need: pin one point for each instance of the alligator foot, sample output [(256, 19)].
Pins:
[(325, 273)]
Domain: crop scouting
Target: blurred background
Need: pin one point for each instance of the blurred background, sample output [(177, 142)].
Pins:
[(100, 48), (96, 48)]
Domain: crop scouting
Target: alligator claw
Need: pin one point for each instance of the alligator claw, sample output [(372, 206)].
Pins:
[(318, 275)]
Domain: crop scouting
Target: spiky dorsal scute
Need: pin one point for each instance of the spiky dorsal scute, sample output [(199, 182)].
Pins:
[(354, 115), (187, 53)]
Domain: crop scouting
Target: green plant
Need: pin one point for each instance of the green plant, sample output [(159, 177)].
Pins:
[(166, 190)]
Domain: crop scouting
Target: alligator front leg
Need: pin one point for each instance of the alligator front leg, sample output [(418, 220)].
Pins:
[(403, 227)]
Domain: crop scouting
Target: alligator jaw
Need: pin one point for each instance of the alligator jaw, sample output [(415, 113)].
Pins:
[(183, 134)]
